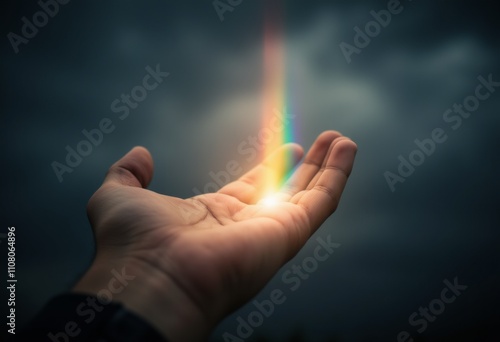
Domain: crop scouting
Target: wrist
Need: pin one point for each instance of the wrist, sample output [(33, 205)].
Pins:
[(149, 293)]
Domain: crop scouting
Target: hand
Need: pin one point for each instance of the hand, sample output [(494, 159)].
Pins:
[(196, 260)]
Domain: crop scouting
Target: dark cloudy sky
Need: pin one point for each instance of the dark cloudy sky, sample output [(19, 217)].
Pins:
[(396, 247)]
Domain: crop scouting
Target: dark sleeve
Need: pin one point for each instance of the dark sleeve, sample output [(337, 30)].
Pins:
[(80, 317)]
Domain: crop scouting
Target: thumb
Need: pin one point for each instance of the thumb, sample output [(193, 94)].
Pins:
[(133, 169)]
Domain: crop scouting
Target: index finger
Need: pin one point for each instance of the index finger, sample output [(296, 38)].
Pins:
[(322, 199)]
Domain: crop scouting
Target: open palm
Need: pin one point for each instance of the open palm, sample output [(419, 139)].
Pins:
[(220, 248)]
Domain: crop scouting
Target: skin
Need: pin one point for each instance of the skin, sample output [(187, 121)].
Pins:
[(196, 260)]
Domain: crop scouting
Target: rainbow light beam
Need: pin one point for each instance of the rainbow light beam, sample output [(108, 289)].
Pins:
[(274, 102)]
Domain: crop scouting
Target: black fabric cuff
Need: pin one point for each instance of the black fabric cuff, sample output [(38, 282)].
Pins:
[(75, 317)]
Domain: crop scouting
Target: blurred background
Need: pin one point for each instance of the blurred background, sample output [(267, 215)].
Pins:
[(397, 246)]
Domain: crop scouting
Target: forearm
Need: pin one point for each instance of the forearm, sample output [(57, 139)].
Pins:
[(148, 293)]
